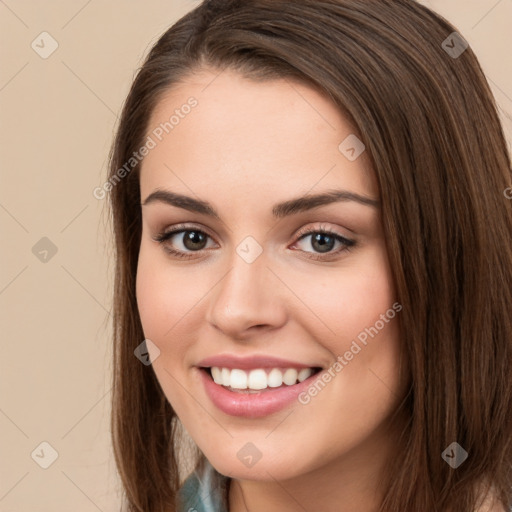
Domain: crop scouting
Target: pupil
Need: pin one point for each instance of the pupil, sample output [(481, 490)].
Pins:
[(323, 246), (192, 238)]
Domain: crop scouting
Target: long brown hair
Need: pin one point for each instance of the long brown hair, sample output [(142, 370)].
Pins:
[(430, 126)]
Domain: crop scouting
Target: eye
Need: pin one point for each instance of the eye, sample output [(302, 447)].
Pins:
[(195, 240), (323, 240), (192, 239)]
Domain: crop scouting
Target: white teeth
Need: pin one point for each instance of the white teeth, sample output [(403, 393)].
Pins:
[(275, 378), (217, 375), (226, 377), (259, 378), (305, 373), (238, 379), (290, 376)]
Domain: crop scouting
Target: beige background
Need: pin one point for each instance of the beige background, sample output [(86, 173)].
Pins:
[(57, 120)]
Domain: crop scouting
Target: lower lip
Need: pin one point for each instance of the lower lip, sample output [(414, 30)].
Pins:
[(252, 405)]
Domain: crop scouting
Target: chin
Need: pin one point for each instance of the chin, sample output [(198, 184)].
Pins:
[(246, 462)]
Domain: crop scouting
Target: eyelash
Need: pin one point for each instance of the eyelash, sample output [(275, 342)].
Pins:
[(348, 243)]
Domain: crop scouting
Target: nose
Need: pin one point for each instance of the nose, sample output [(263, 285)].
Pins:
[(247, 300)]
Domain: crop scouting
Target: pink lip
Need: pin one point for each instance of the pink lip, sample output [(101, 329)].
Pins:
[(253, 405), (249, 363)]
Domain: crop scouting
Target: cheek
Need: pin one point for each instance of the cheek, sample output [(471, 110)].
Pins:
[(165, 294), (348, 301), (172, 306), (162, 303), (152, 298)]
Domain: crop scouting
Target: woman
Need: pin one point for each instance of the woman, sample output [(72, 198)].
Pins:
[(313, 265)]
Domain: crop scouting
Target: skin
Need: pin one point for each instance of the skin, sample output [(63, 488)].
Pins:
[(245, 147)]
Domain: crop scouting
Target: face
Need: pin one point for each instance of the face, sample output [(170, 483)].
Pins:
[(265, 293)]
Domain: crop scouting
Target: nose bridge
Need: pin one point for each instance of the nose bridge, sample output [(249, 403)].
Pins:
[(245, 296)]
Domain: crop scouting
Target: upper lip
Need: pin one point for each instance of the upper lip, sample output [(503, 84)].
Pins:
[(251, 362)]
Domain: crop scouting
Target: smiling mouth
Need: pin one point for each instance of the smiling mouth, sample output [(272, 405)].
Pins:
[(258, 379)]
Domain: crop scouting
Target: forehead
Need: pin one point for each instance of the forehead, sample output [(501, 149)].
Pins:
[(263, 141)]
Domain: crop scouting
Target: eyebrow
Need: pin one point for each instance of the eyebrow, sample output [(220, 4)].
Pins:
[(280, 210)]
